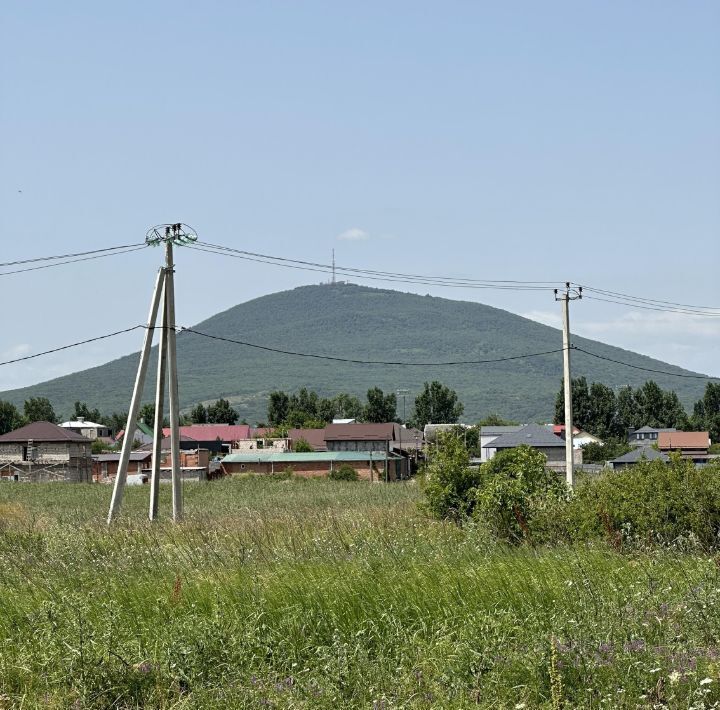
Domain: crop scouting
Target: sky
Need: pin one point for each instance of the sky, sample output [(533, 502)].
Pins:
[(517, 140)]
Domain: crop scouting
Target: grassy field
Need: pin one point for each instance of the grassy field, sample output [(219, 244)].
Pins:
[(314, 594)]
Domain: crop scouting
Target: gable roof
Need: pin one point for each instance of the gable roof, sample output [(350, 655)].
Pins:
[(134, 456), (642, 452), (650, 430), (360, 432), (530, 434), (42, 432), (499, 430), (683, 440), (211, 432)]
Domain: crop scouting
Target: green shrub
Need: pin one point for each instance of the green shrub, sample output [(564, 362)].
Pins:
[(302, 446), (284, 475), (345, 472), (515, 486), (650, 502), (450, 483)]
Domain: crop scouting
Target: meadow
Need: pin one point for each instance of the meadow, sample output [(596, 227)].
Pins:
[(320, 594)]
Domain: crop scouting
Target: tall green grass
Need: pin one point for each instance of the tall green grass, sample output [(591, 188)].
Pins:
[(318, 594)]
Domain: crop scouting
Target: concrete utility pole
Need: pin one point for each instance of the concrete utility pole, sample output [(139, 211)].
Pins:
[(570, 294), (167, 234), (402, 393)]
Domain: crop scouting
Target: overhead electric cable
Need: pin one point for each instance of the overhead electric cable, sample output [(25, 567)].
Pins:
[(646, 369), (356, 361), (68, 256), (660, 309), (651, 301), (449, 282), (72, 261), (71, 345)]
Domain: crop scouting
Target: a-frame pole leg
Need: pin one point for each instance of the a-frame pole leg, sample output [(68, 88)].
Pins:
[(131, 424), (159, 411), (173, 385)]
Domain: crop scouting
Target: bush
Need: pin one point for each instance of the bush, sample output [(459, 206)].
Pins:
[(650, 502), (450, 483), (303, 446), (284, 475), (515, 486), (343, 473)]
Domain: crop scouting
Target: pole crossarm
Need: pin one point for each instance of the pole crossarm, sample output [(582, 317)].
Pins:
[(177, 233)]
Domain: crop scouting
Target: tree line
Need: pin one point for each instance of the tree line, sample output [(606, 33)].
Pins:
[(305, 409), (598, 410)]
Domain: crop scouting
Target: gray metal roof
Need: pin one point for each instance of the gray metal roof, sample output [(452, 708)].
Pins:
[(650, 430), (530, 434), (134, 456), (642, 452), (498, 430)]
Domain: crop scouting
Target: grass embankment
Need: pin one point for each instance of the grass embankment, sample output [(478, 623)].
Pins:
[(320, 594)]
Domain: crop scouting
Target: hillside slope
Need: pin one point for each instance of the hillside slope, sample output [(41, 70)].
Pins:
[(364, 323)]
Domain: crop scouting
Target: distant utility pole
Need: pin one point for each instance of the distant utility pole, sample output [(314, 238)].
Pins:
[(569, 294), (167, 234), (333, 268), (402, 393)]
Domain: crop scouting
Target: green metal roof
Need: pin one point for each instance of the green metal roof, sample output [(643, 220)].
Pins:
[(292, 457)]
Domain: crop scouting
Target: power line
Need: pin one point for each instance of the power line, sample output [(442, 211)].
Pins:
[(68, 256), (355, 361), (372, 275), (71, 345), (651, 301), (646, 369), (73, 261), (645, 307)]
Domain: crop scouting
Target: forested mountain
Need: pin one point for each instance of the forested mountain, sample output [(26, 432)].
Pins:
[(364, 323)]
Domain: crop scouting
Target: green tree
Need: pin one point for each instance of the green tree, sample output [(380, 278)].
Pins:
[(348, 406), (10, 417), (380, 407), (326, 409), (496, 420), (580, 404), (278, 408), (147, 413), (629, 415), (302, 446), (603, 412), (83, 411), (221, 413), (39, 409), (198, 414), (608, 450), (514, 484), (450, 481), (706, 413), (437, 404)]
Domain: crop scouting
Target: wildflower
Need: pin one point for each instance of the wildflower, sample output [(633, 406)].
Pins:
[(674, 677), (706, 681)]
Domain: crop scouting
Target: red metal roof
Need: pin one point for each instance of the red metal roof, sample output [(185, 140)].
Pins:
[(42, 432), (669, 440), (227, 433)]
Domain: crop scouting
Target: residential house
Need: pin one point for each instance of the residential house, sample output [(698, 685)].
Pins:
[(370, 465), (637, 454), (645, 436), (105, 466), (540, 438), (375, 438), (43, 451), (692, 445), (90, 430), (143, 433), (488, 434), (217, 438), (259, 443), (580, 437)]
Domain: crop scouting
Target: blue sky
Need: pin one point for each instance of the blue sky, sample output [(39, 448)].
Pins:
[(518, 140)]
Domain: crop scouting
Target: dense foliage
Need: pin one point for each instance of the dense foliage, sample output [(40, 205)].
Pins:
[(437, 404), (599, 411), (514, 486), (344, 472)]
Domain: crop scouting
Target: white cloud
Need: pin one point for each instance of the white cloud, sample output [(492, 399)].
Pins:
[(354, 235), (666, 326)]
